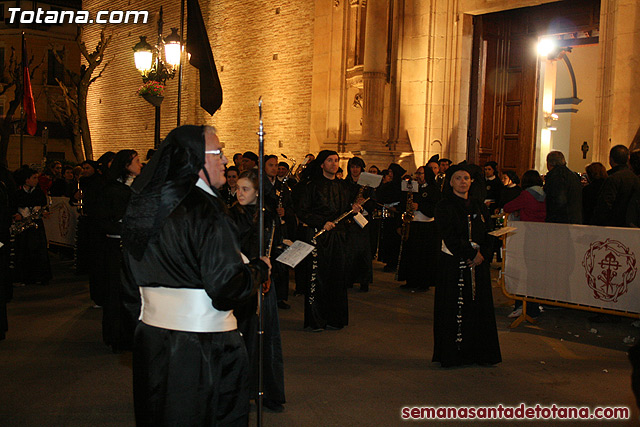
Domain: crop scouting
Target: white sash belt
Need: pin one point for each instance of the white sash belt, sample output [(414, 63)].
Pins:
[(183, 309)]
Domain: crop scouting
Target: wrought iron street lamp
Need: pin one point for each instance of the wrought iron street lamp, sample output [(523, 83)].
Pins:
[(149, 61)]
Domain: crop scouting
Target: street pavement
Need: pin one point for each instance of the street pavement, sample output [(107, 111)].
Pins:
[(55, 370)]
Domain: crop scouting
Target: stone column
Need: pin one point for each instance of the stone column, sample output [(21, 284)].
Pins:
[(618, 88), (374, 71)]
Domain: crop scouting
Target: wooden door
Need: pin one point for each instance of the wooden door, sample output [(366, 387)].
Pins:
[(507, 93)]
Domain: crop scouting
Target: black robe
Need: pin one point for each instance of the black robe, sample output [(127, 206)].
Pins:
[(358, 250), (277, 194), (389, 249), (228, 197), (273, 371), (32, 257), (464, 329), (322, 200), (181, 377), (7, 209), (5, 282), (90, 240), (117, 325), (421, 251), (494, 192)]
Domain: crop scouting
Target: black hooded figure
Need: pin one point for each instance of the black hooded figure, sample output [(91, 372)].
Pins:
[(464, 324), (182, 258), (390, 194), (321, 199)]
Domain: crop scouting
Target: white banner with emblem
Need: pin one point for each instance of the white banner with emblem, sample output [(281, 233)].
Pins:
[(61, 224), (580, 264)]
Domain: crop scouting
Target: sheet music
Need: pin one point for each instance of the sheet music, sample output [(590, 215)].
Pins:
[(360, 220), (369, 179), (295, 253)]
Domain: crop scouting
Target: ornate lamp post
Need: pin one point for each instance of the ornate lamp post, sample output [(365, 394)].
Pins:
[(156, 71)]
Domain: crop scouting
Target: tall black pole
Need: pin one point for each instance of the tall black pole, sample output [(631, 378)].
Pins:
[(181, 56), (262, 251), (156, 135), (24, 56)]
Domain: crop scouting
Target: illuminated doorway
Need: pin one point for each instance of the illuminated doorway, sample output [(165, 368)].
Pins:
[(505, 122), (566, 97)]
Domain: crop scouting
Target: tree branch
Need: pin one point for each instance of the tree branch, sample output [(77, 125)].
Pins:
[(102, 71)]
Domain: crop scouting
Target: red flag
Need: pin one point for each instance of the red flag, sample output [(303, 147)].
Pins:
[(27, 102), (202, 58)]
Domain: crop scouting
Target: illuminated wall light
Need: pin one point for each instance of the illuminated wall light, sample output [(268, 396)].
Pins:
[(172, 48), (143, 61), (549, 119), (546, 46)]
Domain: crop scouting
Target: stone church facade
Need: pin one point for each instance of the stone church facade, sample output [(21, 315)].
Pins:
[(388, 80)]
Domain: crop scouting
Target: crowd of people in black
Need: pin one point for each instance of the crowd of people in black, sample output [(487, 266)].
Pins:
[(307, 200), (101, 190), (431, 228)]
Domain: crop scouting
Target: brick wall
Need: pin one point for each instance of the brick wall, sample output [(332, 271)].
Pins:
[(118, 118), (244, 36)]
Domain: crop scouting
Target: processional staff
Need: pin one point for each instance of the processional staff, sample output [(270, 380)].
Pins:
[(261, 252)]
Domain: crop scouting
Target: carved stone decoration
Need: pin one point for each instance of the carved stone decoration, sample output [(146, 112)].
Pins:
[(354, 77), (336, 3), (357, 100)]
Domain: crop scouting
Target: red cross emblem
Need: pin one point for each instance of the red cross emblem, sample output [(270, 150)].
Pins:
[(609, 266)]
